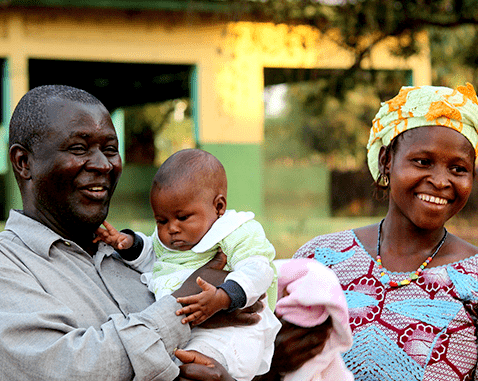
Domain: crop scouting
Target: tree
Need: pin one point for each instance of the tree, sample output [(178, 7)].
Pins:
[(362, 24), (452, 29)]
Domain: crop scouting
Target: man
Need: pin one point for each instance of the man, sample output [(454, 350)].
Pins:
[(69, 308)]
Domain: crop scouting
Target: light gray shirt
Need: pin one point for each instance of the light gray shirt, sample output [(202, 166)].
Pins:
[(65, 315)]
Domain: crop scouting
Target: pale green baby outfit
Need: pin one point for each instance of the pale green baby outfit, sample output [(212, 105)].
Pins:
[(245, 351), (244, 242)]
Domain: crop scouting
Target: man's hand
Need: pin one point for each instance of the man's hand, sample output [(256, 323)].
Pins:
[(240, 317), (199, 367), (113, 237), (203, 305), (212, 272)]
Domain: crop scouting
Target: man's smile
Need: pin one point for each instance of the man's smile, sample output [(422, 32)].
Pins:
[(95, 192)]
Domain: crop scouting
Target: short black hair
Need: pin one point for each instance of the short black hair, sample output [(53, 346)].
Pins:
[(29, 119), (192, 165)]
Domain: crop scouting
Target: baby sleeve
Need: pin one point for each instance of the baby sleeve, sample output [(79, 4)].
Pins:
[(250, 255)]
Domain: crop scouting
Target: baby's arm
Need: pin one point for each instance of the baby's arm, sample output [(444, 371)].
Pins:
[(250, 256), (253, 274), (203, 305), (111, 236), (127, 243)]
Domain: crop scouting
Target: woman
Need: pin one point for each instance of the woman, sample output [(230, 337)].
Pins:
[(411, 286)]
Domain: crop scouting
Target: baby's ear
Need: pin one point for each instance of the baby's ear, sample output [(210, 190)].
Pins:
[(220, 204)]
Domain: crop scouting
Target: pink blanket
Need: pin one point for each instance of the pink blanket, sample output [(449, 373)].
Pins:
[(309, 293)]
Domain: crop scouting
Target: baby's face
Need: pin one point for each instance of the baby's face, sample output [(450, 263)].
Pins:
[(183, 215)]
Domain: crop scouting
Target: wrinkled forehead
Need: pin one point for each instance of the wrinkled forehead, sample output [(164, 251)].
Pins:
[(58, 109), (68, 120), (65, 116)]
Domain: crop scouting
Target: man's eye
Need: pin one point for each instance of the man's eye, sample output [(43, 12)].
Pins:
[(111, 150), (161, 222), (183, 218), (77, 150)]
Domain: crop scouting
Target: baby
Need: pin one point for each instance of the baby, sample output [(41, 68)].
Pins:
[(188, 199)]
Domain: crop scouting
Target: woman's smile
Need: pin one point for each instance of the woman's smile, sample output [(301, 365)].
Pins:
[(432, 199)]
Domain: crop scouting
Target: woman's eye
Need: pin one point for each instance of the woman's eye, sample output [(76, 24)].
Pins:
[(423, 162), (161, 222), (460, 169), (183, 218)]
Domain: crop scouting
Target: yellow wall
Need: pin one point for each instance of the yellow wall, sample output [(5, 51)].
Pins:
[(230, 57), (247, 48)]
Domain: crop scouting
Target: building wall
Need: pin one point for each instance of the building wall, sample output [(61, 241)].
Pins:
[(229, 58)]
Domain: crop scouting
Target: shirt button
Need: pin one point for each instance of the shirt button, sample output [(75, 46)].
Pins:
[(67, 243)]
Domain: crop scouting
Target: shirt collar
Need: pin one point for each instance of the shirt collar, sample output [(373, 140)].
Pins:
[(37, 236)]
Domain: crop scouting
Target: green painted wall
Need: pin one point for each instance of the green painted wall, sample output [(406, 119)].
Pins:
[(131, 198), (244, 172), (296, 192), (243, 164), (13, 198)]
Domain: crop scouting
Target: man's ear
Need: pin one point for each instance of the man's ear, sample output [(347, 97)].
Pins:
[(220, 204), (20, 159), (384, 160)]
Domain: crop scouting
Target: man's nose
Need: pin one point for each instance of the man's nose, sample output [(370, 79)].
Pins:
[(99, 162)]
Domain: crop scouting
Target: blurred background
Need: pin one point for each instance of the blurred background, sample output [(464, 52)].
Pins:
[(283, 92)]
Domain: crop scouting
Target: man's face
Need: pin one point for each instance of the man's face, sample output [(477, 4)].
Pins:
[(75, 168)]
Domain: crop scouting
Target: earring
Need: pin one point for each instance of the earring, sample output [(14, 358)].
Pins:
[(383, 181), (386, 180)]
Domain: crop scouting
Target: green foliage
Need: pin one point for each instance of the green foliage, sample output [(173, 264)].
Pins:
[(154, 131), (328, 119), (454, 55), (364, 23)]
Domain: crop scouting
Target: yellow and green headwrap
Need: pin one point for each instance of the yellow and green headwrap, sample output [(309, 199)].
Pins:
[(423, 106)]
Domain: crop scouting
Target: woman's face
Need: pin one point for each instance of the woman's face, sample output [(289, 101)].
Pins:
[(431, 174)]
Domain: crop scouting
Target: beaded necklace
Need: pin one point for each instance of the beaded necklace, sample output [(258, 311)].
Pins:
[(385, 278)]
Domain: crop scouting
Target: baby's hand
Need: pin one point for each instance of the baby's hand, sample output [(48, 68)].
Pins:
[(203, 305), (113, 237)]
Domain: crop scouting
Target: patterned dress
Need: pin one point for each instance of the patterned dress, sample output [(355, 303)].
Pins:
[(422, 331)]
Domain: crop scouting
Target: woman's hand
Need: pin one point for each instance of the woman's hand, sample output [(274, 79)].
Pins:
[(295, 345), (199, 367)]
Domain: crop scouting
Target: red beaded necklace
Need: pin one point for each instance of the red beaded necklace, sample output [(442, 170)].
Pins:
[(385, 278)]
